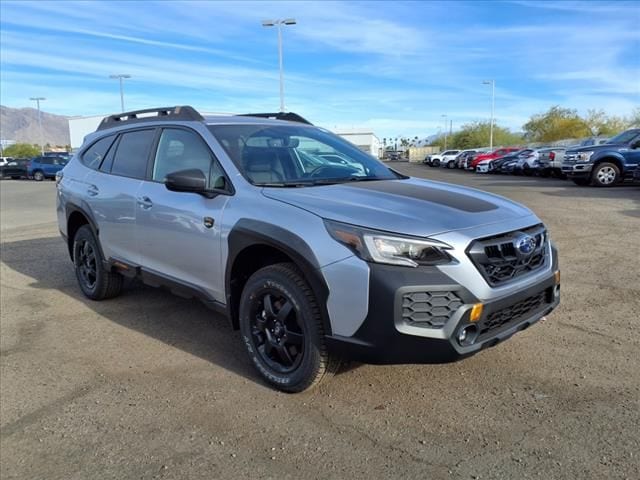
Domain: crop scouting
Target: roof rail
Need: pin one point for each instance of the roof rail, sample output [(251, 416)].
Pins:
[(170, 113), (289, 116)]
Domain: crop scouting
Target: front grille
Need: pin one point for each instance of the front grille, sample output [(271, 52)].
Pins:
[(500, 261), (429, 309), (570, 158), (513, 313)]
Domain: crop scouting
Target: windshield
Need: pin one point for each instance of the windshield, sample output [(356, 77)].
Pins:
[(624, 137), (296, 155)]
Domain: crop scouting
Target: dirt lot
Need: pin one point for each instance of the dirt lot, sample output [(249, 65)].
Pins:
[(152, 386)]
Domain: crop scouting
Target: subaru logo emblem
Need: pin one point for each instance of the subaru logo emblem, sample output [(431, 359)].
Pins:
[(525, 245)]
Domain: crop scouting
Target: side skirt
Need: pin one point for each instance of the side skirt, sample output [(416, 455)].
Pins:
[(157, 280)]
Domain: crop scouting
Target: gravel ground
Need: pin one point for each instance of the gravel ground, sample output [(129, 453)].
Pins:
[(153, 386)]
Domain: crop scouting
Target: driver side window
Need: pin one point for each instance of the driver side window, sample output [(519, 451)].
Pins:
[(184, 150)]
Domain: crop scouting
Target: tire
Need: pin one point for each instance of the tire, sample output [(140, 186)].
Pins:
[(581, 181), (282, 329), (605, 175), (96, 282), (451, 164), (38, 176)]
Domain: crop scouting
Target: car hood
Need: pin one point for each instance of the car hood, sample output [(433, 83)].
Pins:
[(413, 206), (597, 148)]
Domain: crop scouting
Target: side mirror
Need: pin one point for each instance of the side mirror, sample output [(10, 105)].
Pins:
[(192, 180)]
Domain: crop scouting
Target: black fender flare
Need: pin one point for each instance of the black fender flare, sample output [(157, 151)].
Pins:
[(247, 233), (72, 208)]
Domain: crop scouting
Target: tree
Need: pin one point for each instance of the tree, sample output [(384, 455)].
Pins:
[(634, 119), (476, 134), (21, 150), (601, 124), (556, 124)]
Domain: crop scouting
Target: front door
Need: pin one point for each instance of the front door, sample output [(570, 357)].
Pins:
[(178, 233)]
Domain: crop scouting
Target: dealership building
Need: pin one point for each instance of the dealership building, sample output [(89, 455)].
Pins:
[(364, 139)]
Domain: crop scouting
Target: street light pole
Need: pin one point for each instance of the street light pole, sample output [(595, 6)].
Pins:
[(493, 104), (445, 130), (121, 77), (278, 23), (38, 100)]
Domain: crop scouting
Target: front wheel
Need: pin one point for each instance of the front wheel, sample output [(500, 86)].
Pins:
[(282, 329), (605, 175), (451, 164), (38, 176)]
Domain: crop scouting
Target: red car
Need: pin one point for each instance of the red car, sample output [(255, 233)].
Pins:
[(501, 152)]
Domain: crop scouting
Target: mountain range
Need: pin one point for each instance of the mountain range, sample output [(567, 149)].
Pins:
[(21, 125)]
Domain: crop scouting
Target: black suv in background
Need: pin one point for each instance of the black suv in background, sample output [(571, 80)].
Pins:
[(15, 168), (604, 165)]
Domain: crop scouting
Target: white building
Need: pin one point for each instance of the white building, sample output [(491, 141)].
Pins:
[(364, 139)]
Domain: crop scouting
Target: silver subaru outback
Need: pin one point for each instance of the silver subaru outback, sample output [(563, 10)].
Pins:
[(314, 250)]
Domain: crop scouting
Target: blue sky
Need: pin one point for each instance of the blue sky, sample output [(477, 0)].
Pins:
[(393, 67)]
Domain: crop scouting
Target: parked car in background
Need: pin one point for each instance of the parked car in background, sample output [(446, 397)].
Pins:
[(523, 160), (550, 161), (636, 174), (15, 168), (445, 159), (5, 160), (45, 167), (496, 164), (460, 160), (604, 165), (500, 152)]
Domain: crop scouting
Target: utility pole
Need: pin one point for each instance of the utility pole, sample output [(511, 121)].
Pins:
[(38, 100), (278, 23), (121, 77), (493, 104)]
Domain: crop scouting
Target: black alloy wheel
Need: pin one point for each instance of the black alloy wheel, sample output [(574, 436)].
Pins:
[(282, 329), (86, 263), (94, 279), (275, 331)]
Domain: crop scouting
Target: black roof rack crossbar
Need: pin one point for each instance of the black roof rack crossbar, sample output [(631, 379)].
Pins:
[(171, 113), (289, 116)]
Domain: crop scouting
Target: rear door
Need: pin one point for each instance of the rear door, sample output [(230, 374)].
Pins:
[(178, 233), (111, 193)]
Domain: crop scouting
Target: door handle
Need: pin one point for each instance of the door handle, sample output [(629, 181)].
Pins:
[(145, 202), (92, 190)]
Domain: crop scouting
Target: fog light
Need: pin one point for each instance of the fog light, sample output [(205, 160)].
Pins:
[(467, 335), (556, 275), (476, 312)]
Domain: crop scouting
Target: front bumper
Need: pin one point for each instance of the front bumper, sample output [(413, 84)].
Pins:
[(577, 170), (386, 337)]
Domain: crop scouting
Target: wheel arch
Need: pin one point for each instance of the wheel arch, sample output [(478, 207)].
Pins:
[(78, 216), (254, 245), (610, 158)]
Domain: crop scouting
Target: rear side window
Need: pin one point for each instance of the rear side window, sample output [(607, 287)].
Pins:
[(131, 157), (94, 155)]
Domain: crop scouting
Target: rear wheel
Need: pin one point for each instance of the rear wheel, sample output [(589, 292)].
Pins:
[(605, 175), (282, 329), (38, 176), (95, 281), (451, 164)]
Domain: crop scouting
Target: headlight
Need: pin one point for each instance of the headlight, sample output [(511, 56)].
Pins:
[(583, 156), (381, 247)]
